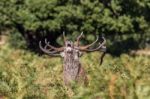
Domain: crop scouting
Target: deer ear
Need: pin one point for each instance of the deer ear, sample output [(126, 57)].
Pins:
[(62, 54)]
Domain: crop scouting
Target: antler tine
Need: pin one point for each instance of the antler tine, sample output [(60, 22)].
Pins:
[(89, 45), (52, 47), (47, 51), (64, 37), (79, 37), (95, 49)]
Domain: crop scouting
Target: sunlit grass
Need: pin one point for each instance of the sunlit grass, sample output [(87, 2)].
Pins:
[(26, 75)]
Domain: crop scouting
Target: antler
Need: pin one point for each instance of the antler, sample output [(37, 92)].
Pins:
[(52, 47), (49, 51), (85, 48), (101, 45), (65, 39), (89, 45), (78, 38)]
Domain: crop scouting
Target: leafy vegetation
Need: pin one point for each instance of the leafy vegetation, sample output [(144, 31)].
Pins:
[(118, 20), (26, 75)]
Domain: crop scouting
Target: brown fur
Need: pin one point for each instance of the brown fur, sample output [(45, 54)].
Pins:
[(72, 68)]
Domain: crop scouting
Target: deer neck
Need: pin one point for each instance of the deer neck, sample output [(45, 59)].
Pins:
[(71, 65)]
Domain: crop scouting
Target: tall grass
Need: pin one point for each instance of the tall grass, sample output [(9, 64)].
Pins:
[(26, 75)]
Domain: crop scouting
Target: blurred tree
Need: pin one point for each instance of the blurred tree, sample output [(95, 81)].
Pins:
[(37, 19)]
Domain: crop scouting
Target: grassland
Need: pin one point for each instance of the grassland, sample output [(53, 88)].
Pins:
[(26, 75)]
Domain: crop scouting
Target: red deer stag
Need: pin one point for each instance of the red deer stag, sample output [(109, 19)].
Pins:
[(72, 70)]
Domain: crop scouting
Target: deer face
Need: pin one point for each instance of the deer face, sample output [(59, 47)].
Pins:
[(71, 48)]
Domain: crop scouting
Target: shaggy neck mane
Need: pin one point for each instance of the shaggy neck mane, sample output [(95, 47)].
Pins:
[(71, 65)]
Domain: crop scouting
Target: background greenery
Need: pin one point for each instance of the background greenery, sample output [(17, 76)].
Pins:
[(25, 74), (123, 22)]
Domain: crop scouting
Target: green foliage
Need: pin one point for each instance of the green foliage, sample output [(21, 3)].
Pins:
[(17, 40), (36, 19), (25, 75)]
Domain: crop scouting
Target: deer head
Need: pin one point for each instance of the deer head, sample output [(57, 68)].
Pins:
[(71, 53)]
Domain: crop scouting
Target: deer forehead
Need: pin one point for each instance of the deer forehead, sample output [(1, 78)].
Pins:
[(68, 42)]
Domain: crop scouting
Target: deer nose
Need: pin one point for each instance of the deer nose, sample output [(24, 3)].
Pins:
[(69, 45)]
